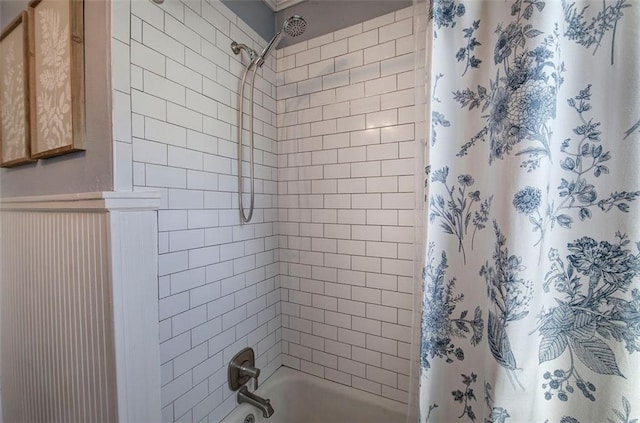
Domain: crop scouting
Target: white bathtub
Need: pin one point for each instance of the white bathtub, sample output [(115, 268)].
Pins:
[(297, 397)]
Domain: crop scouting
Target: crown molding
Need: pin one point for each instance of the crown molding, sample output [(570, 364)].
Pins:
[(272, 4), (283, 4), (278, 5)]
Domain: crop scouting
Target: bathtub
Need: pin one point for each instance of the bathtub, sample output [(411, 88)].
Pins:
[(298, 397)]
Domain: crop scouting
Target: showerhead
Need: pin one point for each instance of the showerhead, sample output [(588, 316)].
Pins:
[(293, 27)]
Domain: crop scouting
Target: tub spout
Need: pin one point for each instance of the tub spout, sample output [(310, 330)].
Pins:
[(261, 403)]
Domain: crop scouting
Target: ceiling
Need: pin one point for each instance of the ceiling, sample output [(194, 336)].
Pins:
[(278, 5)]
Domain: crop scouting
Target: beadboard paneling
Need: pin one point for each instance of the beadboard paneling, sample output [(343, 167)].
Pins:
[(57, 351)]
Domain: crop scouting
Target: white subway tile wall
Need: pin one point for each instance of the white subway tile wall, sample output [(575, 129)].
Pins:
[(345, 196), (175, 83), (321, 280)]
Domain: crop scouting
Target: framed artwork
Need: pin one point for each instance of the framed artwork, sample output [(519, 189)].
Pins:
[(56, 60), (14, 93)]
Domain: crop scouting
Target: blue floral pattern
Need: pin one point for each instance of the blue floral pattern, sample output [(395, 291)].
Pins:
[(520, 101), (460, 208), (592, 33), (527, 200), (619, 416), (624, 415), (533, 124), (437, 118), (467, 396), (584, 158), (445, 12), (510, 296), (465, 54), (497, 414), (440, 326), (591, 313)]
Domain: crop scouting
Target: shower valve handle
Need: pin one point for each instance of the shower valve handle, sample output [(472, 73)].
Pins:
[(247, 370)]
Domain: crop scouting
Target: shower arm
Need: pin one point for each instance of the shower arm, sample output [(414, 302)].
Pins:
[(238, 47)]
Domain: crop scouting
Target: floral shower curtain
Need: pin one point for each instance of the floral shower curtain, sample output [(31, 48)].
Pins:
[(531, 284)]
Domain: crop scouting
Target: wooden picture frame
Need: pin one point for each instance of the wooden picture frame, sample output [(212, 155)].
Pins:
[(56, 55), (14, 93)]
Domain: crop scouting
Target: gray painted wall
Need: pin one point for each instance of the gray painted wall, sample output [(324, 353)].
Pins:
[(254, 13), (9, 9), (90, 170), (324, 16)]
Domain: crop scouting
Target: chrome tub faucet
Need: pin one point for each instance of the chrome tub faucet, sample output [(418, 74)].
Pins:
[(241, 370), (262, 404)]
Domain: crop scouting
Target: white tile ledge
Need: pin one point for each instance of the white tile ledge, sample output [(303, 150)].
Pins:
[(86, 201)]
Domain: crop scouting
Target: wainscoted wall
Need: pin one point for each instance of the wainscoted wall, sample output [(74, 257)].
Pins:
[(346, 198), (175, 84), (57, 349), (77, 345)]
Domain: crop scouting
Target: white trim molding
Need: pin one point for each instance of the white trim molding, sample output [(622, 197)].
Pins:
[(272, 4), (86, 201), (134, 266), (278, 5), (283, 4)]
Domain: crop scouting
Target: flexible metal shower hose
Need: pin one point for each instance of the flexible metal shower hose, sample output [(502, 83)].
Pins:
[(244, 218)]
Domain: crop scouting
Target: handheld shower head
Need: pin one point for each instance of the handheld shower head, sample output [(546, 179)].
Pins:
[(293, 27)]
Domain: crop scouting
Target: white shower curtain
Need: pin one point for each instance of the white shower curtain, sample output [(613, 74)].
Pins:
[(531, 280)]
